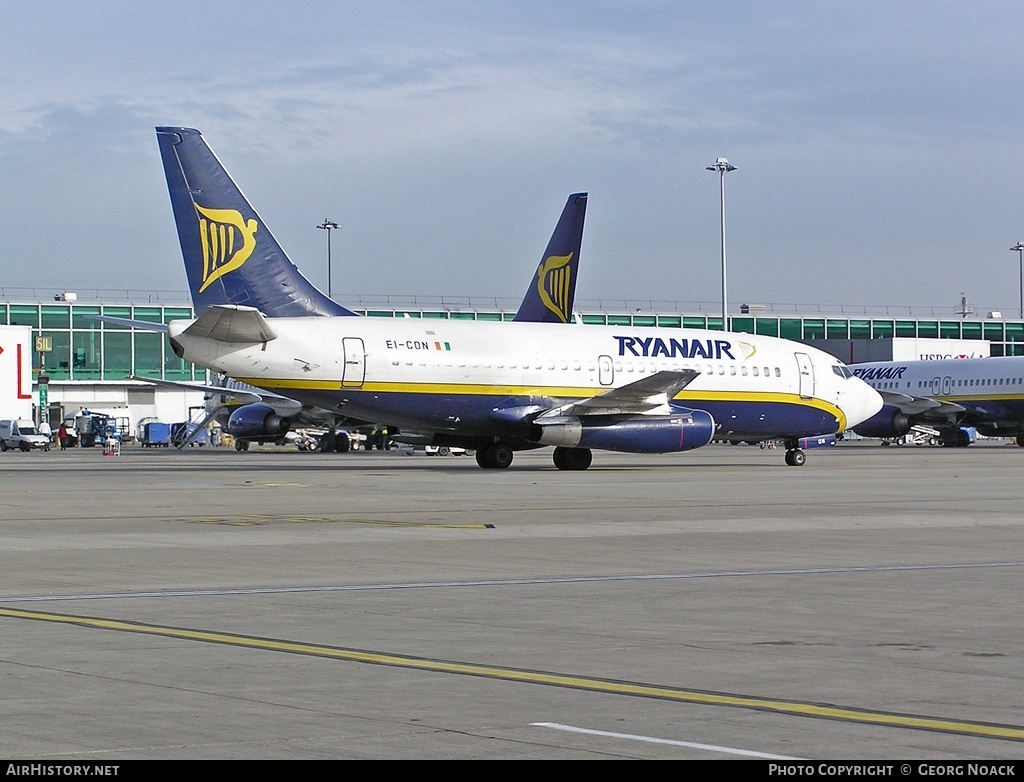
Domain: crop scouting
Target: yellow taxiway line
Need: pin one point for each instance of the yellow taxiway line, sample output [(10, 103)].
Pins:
[(636, 689)]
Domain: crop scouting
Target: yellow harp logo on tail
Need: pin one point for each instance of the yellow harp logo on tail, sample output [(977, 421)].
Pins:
[(554, 276), (227, 239)]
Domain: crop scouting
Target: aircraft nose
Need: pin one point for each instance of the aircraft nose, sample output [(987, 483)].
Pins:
[(864, 402)]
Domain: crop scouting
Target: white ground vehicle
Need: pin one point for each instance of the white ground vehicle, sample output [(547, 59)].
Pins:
[(17, 433), (443, 450)]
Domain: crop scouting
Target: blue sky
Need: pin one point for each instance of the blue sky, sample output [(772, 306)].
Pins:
[(878, 145)]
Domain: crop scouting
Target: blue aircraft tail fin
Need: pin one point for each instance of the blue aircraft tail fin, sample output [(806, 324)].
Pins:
[(550, 297), (230, 255)]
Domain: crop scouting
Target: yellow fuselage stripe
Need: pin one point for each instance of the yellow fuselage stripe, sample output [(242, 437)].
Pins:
[(559, 392)]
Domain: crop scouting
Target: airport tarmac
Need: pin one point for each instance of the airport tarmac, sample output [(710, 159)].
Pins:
[(715, 604)]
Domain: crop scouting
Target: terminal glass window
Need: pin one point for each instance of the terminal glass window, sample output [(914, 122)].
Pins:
[(3, 314), (791, 328), (177, 313), (971, 329), (24, 315), (117, 355), (594, 320), (949, 329), (670, 321), (694, 323), (148, 314), (906, 328), (493, 317), (85, 355), (58, 317), (1010, 349), (993, 331), (80, 317), (149, 358), (463, 316), (1015, 332), (714, 324), (175, 368), (860, 329), (881, 329), (814, 328), (744, 325), (644, 320), (619, 320), (837, 329), (768, 327), (58, 358), (407, 314), (928, 329)]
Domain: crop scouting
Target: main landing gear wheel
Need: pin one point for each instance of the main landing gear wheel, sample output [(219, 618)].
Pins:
[(494, 457), (795, 457), (241, 445), (572, 458)]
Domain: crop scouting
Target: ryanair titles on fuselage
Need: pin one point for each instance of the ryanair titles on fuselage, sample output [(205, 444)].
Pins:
[(641, 347), (654, 347), (878, 373)]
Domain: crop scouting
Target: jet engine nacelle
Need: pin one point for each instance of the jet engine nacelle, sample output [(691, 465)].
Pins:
[(887, 422), (257, 420), (642, 434), (1007, 428)]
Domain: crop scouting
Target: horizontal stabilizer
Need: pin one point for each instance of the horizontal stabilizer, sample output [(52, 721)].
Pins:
[(130, 323), (248, 395), (232, 323)]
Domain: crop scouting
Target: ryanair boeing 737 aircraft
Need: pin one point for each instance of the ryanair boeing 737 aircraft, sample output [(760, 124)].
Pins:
[(540, 380), (947, 394)]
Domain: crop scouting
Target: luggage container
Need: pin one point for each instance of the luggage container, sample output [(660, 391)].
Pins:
[(156, 435)]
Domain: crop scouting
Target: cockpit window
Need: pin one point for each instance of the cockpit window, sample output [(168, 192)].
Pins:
[(842, 371)]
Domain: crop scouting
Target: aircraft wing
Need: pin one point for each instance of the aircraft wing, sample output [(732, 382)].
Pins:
[(651, 394), (923, 407), (232, 323)]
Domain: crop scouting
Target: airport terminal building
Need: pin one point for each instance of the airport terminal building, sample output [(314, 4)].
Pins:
[(85, 362)]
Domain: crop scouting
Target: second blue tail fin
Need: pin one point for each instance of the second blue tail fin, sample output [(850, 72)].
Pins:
[(230, 255), (550, 296)]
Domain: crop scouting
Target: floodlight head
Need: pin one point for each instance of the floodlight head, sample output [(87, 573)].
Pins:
[(722, 165)]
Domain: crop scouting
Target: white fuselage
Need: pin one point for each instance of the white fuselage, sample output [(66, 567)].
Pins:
[(449, 376)]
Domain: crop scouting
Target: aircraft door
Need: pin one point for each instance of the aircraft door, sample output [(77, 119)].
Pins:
[(947, 386), (806, 369), (353, 367), (936, 386), (605, 370)]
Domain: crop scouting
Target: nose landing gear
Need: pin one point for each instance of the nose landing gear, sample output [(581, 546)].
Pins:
[(795, 457)]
